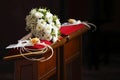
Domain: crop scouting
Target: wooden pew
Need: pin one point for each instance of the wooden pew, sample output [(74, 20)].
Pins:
[(65, 64)]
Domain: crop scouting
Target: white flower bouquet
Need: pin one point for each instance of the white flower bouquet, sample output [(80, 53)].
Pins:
[(43, 24)]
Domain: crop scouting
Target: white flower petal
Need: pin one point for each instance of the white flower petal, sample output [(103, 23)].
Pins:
[(38, 15)]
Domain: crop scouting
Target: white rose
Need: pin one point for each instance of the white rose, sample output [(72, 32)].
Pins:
[(48, 15), (52, 24), (41, 10), (58, 24), (48, 37), (33, 11), (38, 15), (55, 37), (48, 28), (50, 20), (41, 22)]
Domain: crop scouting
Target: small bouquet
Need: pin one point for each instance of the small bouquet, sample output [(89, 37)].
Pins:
[(43, 24)]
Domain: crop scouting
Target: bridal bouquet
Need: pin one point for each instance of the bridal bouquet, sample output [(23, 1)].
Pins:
[(43, 24)]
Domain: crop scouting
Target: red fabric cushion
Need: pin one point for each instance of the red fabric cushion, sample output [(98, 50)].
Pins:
[(38, 46), (66, 30)]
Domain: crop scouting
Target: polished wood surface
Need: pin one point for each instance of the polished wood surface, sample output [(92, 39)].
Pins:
[(70, 53), (65, 64), (35, 70)]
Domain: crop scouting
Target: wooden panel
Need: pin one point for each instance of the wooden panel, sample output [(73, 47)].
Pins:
[(72, 48), (73, 69), (25, 70), (72, 59), (47, 68), (35, 70)]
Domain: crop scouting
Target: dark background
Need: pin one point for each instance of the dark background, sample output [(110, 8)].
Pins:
[(103, 13)]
